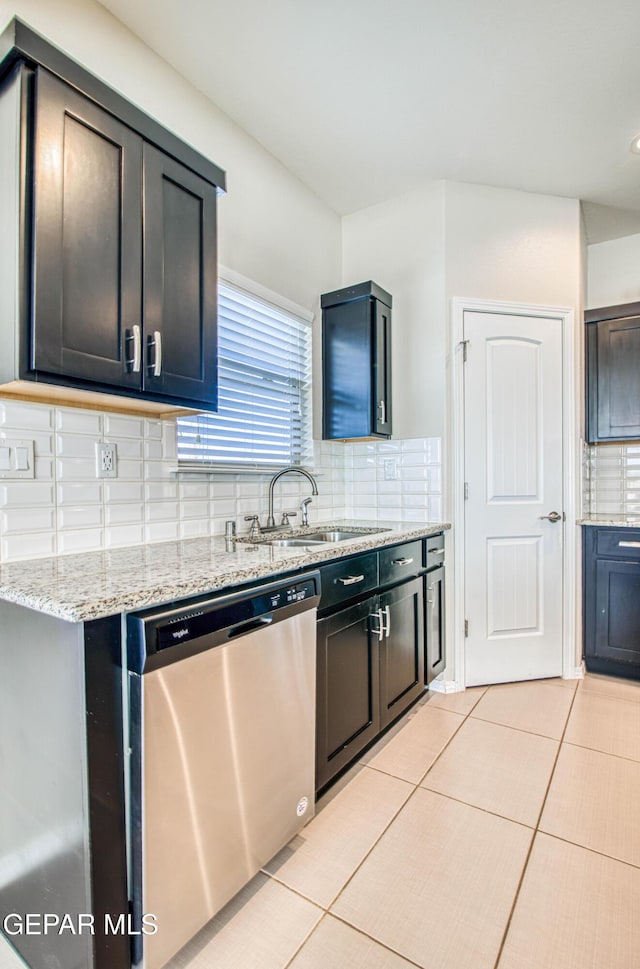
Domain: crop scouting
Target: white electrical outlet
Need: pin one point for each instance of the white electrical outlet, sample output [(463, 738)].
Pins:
[(106, 460), (390, 469)]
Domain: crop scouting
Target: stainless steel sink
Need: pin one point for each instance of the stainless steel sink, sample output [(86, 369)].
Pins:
[(337, 535), (292, 542)]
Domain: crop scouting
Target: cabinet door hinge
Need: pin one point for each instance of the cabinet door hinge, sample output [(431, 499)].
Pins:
[(464, 344), (466, 628), (466, 490)]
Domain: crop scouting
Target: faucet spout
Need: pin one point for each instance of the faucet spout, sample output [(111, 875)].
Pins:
[(314, 488)]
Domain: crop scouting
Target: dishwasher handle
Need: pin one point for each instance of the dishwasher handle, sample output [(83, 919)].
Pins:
[(250, 626)]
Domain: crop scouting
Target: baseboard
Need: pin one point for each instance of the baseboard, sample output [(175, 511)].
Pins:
[(577, 673), (444, 686)]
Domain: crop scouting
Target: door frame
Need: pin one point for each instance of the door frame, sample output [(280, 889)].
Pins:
[(571, 476)]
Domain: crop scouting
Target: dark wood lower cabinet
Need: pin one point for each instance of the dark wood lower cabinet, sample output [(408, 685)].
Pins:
[(612, 601), (370, 670), (434, 624), (347, 686), (401, 649)]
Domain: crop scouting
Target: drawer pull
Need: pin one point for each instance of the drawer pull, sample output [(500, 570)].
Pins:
[(629, 544), (402, 561), (351, 579)]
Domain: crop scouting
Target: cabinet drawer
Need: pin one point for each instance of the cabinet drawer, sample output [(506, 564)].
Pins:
[(621, 543), (400, 562), (348, 578), (434, 551)]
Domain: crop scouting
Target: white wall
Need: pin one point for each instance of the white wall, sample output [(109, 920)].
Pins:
[(613, 272), (400, 245), (513, 246), (271, 227)]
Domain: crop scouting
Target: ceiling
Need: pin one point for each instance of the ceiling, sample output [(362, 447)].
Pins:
[(366, 99)]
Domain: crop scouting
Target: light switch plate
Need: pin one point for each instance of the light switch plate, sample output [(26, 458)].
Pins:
[(17, 459)]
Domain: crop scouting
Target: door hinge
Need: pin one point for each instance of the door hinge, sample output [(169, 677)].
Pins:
[(464, 344), (466, 628), (466, 491)]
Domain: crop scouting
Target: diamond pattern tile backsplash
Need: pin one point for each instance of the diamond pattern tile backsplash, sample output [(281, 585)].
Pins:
[(612, 481), (66, 508)]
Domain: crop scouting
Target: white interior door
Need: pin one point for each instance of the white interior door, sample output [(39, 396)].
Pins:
[(514, 478)]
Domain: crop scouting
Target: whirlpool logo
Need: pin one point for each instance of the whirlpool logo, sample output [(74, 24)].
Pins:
[(180, 633)]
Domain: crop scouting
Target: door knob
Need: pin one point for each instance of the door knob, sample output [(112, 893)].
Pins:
[(553, 516)]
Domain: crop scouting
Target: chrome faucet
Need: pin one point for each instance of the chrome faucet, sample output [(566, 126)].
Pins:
[(271, 523)]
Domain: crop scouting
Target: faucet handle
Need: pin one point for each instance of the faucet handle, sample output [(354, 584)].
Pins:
[(286, 515), (254, 531)]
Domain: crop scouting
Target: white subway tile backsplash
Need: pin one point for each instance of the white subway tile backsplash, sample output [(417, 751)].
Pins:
[(28, 416), (18, 520), (73, 421), (161, 490), (80, 516), (162, 532), (26, 493), (80, 540), (76, 493), (28, 545), (120, 535), (124, 513), (67, 508), (116, 426)]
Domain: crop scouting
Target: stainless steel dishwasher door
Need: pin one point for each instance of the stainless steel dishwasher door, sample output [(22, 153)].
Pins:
[(226, 772)]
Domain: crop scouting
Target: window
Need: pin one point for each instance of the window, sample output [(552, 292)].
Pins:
[(264, 390)]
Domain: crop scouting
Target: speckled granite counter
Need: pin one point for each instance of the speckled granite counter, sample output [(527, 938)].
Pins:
[(96, 584), (609, 522)]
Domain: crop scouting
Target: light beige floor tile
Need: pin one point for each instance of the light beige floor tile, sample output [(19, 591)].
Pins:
[(536, 706), (496, 768), (606, 724), (576, 910), (594, 801), (439, 885), (568, 684), (611, 686), (462, 702), (411, 752), (321, 859), (334, 945), (262, 927)]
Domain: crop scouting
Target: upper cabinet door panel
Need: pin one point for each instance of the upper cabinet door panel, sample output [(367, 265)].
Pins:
[(87, 239), (180, 289), (347, 363), (618, 381), (382, 374)]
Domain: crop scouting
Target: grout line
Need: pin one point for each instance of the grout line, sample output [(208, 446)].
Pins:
[(608, 696), (594, 851), (607, 753), (305, 940), (533, 839), (532, 733), (366, 935)]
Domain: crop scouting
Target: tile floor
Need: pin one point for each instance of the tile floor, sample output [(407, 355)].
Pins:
[(494, 829)]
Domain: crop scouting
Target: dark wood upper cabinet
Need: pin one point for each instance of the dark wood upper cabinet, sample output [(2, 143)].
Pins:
[(115, 238), (356, 362), (613, 373)]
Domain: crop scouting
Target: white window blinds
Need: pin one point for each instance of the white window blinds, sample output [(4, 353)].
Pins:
[(264, 390)]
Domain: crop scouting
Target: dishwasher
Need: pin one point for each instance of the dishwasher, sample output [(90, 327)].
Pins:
[(221, 694)]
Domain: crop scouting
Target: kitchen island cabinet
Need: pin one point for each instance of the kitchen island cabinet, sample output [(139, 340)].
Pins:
[(612, 600), (115, 241)]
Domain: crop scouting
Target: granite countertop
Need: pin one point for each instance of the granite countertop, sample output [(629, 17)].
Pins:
[(95, 584), (610, 522)]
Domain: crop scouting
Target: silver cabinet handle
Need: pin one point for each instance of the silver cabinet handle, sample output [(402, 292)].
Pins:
[(382, 407), (386, 625), (553, 516), (135, 338), (155, 343), (379, 632), (629, 544), (351, 579), (402, 561)]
